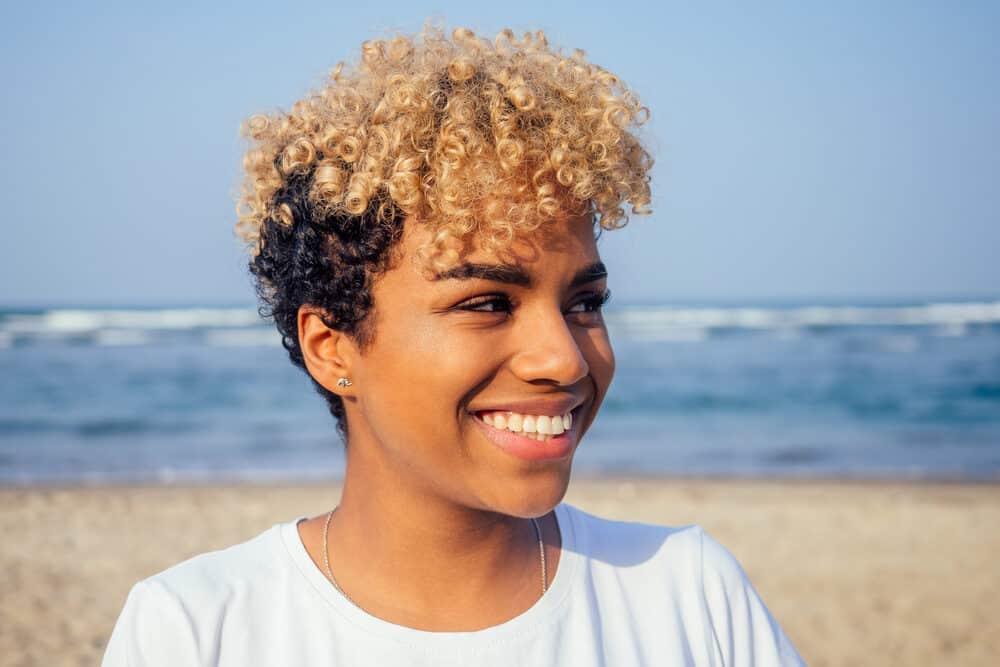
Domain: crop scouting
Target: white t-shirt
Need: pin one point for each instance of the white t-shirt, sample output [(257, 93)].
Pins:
[(623, 594)]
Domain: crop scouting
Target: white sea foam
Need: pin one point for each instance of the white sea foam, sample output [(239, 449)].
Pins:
[(670, 323), (251, 337), (118, 337), (952, 330), (902, 344), (243, 326), (67, 322), (664, 334)]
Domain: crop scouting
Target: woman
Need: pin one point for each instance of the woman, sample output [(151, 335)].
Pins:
[(423, 231)]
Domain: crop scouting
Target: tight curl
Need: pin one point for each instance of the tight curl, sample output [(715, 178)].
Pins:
[(476, 140)]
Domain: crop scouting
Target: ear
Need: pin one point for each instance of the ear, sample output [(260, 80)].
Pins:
[(329, 354)]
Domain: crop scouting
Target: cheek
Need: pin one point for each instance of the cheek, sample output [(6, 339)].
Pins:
[(600, 356), (419, 375)]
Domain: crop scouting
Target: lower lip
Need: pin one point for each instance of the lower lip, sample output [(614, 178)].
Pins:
[(529, 449)]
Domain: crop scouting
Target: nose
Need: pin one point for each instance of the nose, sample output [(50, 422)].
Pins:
[(547, 351)]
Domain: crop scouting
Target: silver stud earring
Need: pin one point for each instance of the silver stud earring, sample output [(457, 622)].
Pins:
[(344, 382)]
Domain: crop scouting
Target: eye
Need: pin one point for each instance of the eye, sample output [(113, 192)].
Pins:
[(488, 303), (591, 302)]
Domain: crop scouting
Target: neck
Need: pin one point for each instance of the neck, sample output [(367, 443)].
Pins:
[(415, 558)]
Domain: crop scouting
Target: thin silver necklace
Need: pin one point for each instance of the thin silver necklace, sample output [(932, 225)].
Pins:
[(329, 573)]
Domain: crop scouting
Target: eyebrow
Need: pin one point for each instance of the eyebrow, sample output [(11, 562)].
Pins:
[(513, 274)]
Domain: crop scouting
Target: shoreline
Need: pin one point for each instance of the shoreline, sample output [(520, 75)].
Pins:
[(855, 571), (583, 477)]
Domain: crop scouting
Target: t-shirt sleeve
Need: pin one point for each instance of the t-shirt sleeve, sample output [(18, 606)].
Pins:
[(153, 629), (744, 632)]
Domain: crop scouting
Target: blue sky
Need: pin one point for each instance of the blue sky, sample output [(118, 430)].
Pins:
[(805, 151)]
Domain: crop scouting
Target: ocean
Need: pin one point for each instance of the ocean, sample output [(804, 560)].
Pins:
[(899, 390)]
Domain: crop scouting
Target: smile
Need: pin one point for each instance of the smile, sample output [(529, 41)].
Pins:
[(537, 427), (507, 430)]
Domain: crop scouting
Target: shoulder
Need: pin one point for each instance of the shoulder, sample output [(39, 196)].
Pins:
[(631, 542), (742, 627), (684, 571), (720, 570), (613, 540), (652, 565), (224, 573), (171, 617)]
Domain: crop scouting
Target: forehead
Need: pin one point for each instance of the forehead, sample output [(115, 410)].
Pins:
[(566, 241)]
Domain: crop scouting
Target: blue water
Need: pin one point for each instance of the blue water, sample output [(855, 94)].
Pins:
[(893, 391)]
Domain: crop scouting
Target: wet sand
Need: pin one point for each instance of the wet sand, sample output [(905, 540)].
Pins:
[(858, 573)]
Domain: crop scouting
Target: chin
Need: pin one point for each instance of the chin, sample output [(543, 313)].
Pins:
[(534, 496)]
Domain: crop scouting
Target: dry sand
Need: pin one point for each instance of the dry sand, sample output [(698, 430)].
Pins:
[(859, 573)]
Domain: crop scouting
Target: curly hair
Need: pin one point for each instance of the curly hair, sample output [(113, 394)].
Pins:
[(476, 140)]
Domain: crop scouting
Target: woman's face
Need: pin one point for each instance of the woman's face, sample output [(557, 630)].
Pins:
[(466, 363)]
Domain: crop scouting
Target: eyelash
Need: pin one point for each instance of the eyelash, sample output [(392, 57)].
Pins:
[(592, 303)]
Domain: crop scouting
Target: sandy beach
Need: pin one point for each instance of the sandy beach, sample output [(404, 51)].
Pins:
[(858, 573)]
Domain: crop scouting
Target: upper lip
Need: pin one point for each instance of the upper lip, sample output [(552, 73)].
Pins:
[(533, 406)]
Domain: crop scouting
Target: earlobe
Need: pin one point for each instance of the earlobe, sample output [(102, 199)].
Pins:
[(326, 352)]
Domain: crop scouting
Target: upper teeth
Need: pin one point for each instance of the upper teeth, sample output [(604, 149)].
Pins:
[(542, 424)]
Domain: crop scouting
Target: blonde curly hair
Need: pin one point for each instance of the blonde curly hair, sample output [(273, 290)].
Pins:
[(468, 136), (477, 140)]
